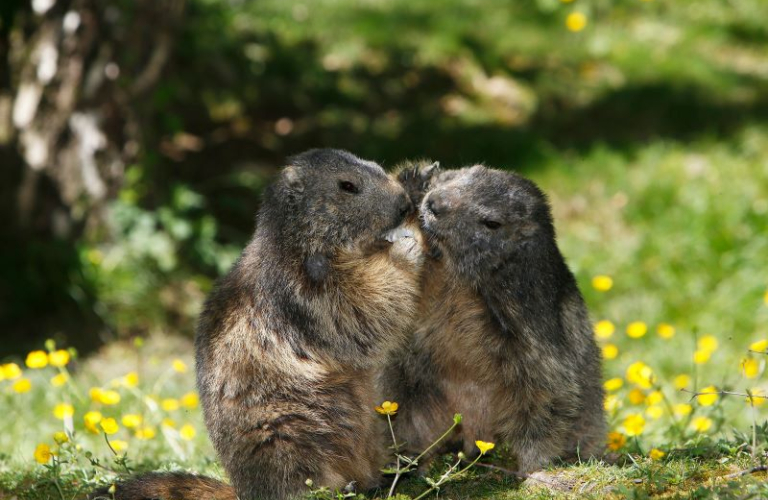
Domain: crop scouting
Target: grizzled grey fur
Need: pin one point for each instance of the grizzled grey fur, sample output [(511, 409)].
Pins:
[(503, 335)]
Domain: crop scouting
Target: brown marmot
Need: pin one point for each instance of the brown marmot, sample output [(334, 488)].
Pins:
[(290, 340), (503, 335)]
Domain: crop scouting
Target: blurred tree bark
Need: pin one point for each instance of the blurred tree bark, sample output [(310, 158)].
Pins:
[(75, 76)]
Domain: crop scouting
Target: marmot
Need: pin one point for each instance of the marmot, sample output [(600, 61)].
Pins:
[(503, 335), (290, 340)]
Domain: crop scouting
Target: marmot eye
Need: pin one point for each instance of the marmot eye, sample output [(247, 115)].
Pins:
[(491, 224), (348, 187)]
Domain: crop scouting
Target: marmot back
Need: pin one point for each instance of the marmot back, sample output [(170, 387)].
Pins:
[(503, 335), (289, 341)]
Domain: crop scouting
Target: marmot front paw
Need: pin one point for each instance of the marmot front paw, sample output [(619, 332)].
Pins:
[(406, 246)]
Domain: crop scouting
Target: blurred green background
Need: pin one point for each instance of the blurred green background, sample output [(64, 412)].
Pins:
[(136, 137)]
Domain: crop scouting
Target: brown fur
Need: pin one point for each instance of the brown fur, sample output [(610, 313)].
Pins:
[(502, 336), (171, 486), (313, 411), (290, 340)]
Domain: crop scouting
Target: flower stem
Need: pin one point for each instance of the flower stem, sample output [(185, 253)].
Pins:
[(398, 472), (447, 476), (445, 434), (106, 438), (671, 411), (392, 431)]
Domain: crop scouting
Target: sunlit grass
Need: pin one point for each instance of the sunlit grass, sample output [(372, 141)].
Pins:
[(667, 245)]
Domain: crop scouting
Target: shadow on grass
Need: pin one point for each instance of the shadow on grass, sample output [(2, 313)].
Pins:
[(386, 111)]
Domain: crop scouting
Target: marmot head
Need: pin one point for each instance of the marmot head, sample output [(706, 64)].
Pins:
[(327, 199), (484, 220)]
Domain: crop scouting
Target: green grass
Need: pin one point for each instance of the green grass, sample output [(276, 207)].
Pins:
[(679, 227), (648, 132)]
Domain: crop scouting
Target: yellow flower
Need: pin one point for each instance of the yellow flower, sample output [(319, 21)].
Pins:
[(604, 329), (682, 409), (179, 366), (700, 357), (682, 381), (610, 351), (109, 425), (576, 21), (637, 329), (63, 410), (170, 404), (484, 447), (634, 424), (22, 385), (708, 396), (758, 397), (611, 403), (59, 380), (708, 343), (656, 454), (37, 359), (616, 441), (187, 432), (665, 330), (765, 297), (655, 412), (701, 424), (10, 371), (132, 420), (759, 346), (640, 374), (168, 422), (43, 453), (387, 408), (190, 400), (91, 419), (119, 445), (60, 437), (654, 398), (95, 394), (131, 379), (59, 358), (636, 396), (145, 433), (109, 397), (613, 384), (601, 283), (750, 367)]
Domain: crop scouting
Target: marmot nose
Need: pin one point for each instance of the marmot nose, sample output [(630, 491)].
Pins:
[(437, 204)]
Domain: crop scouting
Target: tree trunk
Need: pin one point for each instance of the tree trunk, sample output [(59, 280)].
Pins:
[(74, 76)]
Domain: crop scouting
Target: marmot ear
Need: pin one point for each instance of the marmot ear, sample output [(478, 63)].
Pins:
[(293, 179), (430, 171), (317, 267)]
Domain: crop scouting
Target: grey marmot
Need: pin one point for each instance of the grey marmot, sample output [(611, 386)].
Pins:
[(290, 340), (502, 333)]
